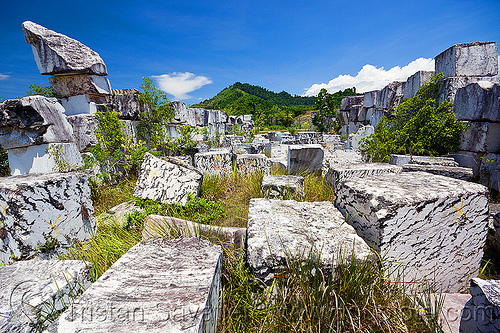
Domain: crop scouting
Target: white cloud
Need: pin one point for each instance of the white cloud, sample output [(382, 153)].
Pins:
[(372, 78), (3, 77), (180, 84)]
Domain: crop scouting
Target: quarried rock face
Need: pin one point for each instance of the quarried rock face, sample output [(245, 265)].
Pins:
[(479, 101), (450, 85), (468, 59), (390, 95), (56, 53), (48, 211), (435, 226), (281, 186), (33, 120), (305, 158), (482, 311), (423, 160), (349, 101), (159, 285), (337, 174), (489, 171), (218, 162), (38, 285), (443, 170), (278, 229), (481, 137), (248, 163), (80, 84), (126, 103), (415, 81), (84, 126), (167, 180)]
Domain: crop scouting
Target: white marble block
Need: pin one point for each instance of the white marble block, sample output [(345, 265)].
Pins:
[(337, 174), (435, 226), (479, 101), (167, 180), (36, 209), (79, 84), (468, 59), (415, 81), (80, 104), (369, 99), (248, 163), (481, 137), (443, 170), (305, 158), (84, 126), (218, 162), (278, 229), (159, 285)]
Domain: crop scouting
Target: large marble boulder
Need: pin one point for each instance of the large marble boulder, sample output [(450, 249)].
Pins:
[(443, 170), (279, 229), (33, 120), (479, 101), (126, 103), (216, 162), (248, 163), (56, 53), (305, 158), (415, 81), (79, 84), (336, 174), (159, 285), (167, 180), (84, 126), (344, 158), (43, 215), (482, 312), (449, 87), (33, 291), (468, 59), (481, 137), (434, 226), (282, 186)]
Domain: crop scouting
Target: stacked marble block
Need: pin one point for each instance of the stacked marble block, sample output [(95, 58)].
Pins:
[(214, 120), (443, 165), (434, 226), (159, 285)]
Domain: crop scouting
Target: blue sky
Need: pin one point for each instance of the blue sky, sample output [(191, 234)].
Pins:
[(205, 46)]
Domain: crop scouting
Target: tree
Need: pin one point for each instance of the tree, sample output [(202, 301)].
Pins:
[(420, 126), (42, 90), (157, 113), (328, 116)]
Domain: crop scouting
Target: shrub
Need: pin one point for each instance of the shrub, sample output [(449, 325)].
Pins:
[(419, 126)]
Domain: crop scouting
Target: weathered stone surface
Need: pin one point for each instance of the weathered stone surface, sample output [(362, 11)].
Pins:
[(436, 226), (44, 285), (337, 174), (280, 227), (373, 116), (167, 180), (309, 137), (354, 139), (451, 311), (390, 95), (84, 126), (443, 170), (489, 171), (481, 137), (231, 140), (33, 120), (38, 208), (349, 101), (468, 59), (160, 285), (56, 53), (415, 81), (305, 158), (482, 311), (157, 226), (468, 159), (354, 112), (253, 163), (81, 104), (478, 101), (126, 103), (218, 162), (80, 84), (450, 86), (424, 160), (282, 186), (46, 158), (369, 99), (344, 158)]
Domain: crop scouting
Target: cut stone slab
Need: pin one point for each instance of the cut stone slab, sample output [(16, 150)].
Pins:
[(80, 84), (56, 53), (478, 101), (159, 285), (482, 311), (46, 158), (218, 162), (84, 126), (36, 209), (33, 120), (450, 85), (278, 229), (424, 160), (80, 104), (167, 180), (443, 170), (46, 285), (435, 226), (231, 140), (126, 103), (416, 81), (337, 174), (305, 158), (282, 186), (468, 59), (249, 163), (481, 137), (157, 226)]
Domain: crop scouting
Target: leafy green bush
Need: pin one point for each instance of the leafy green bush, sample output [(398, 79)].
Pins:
[(327, 117), (420, 126)]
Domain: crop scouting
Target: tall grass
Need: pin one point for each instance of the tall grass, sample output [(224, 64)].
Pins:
[(107, 196)]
